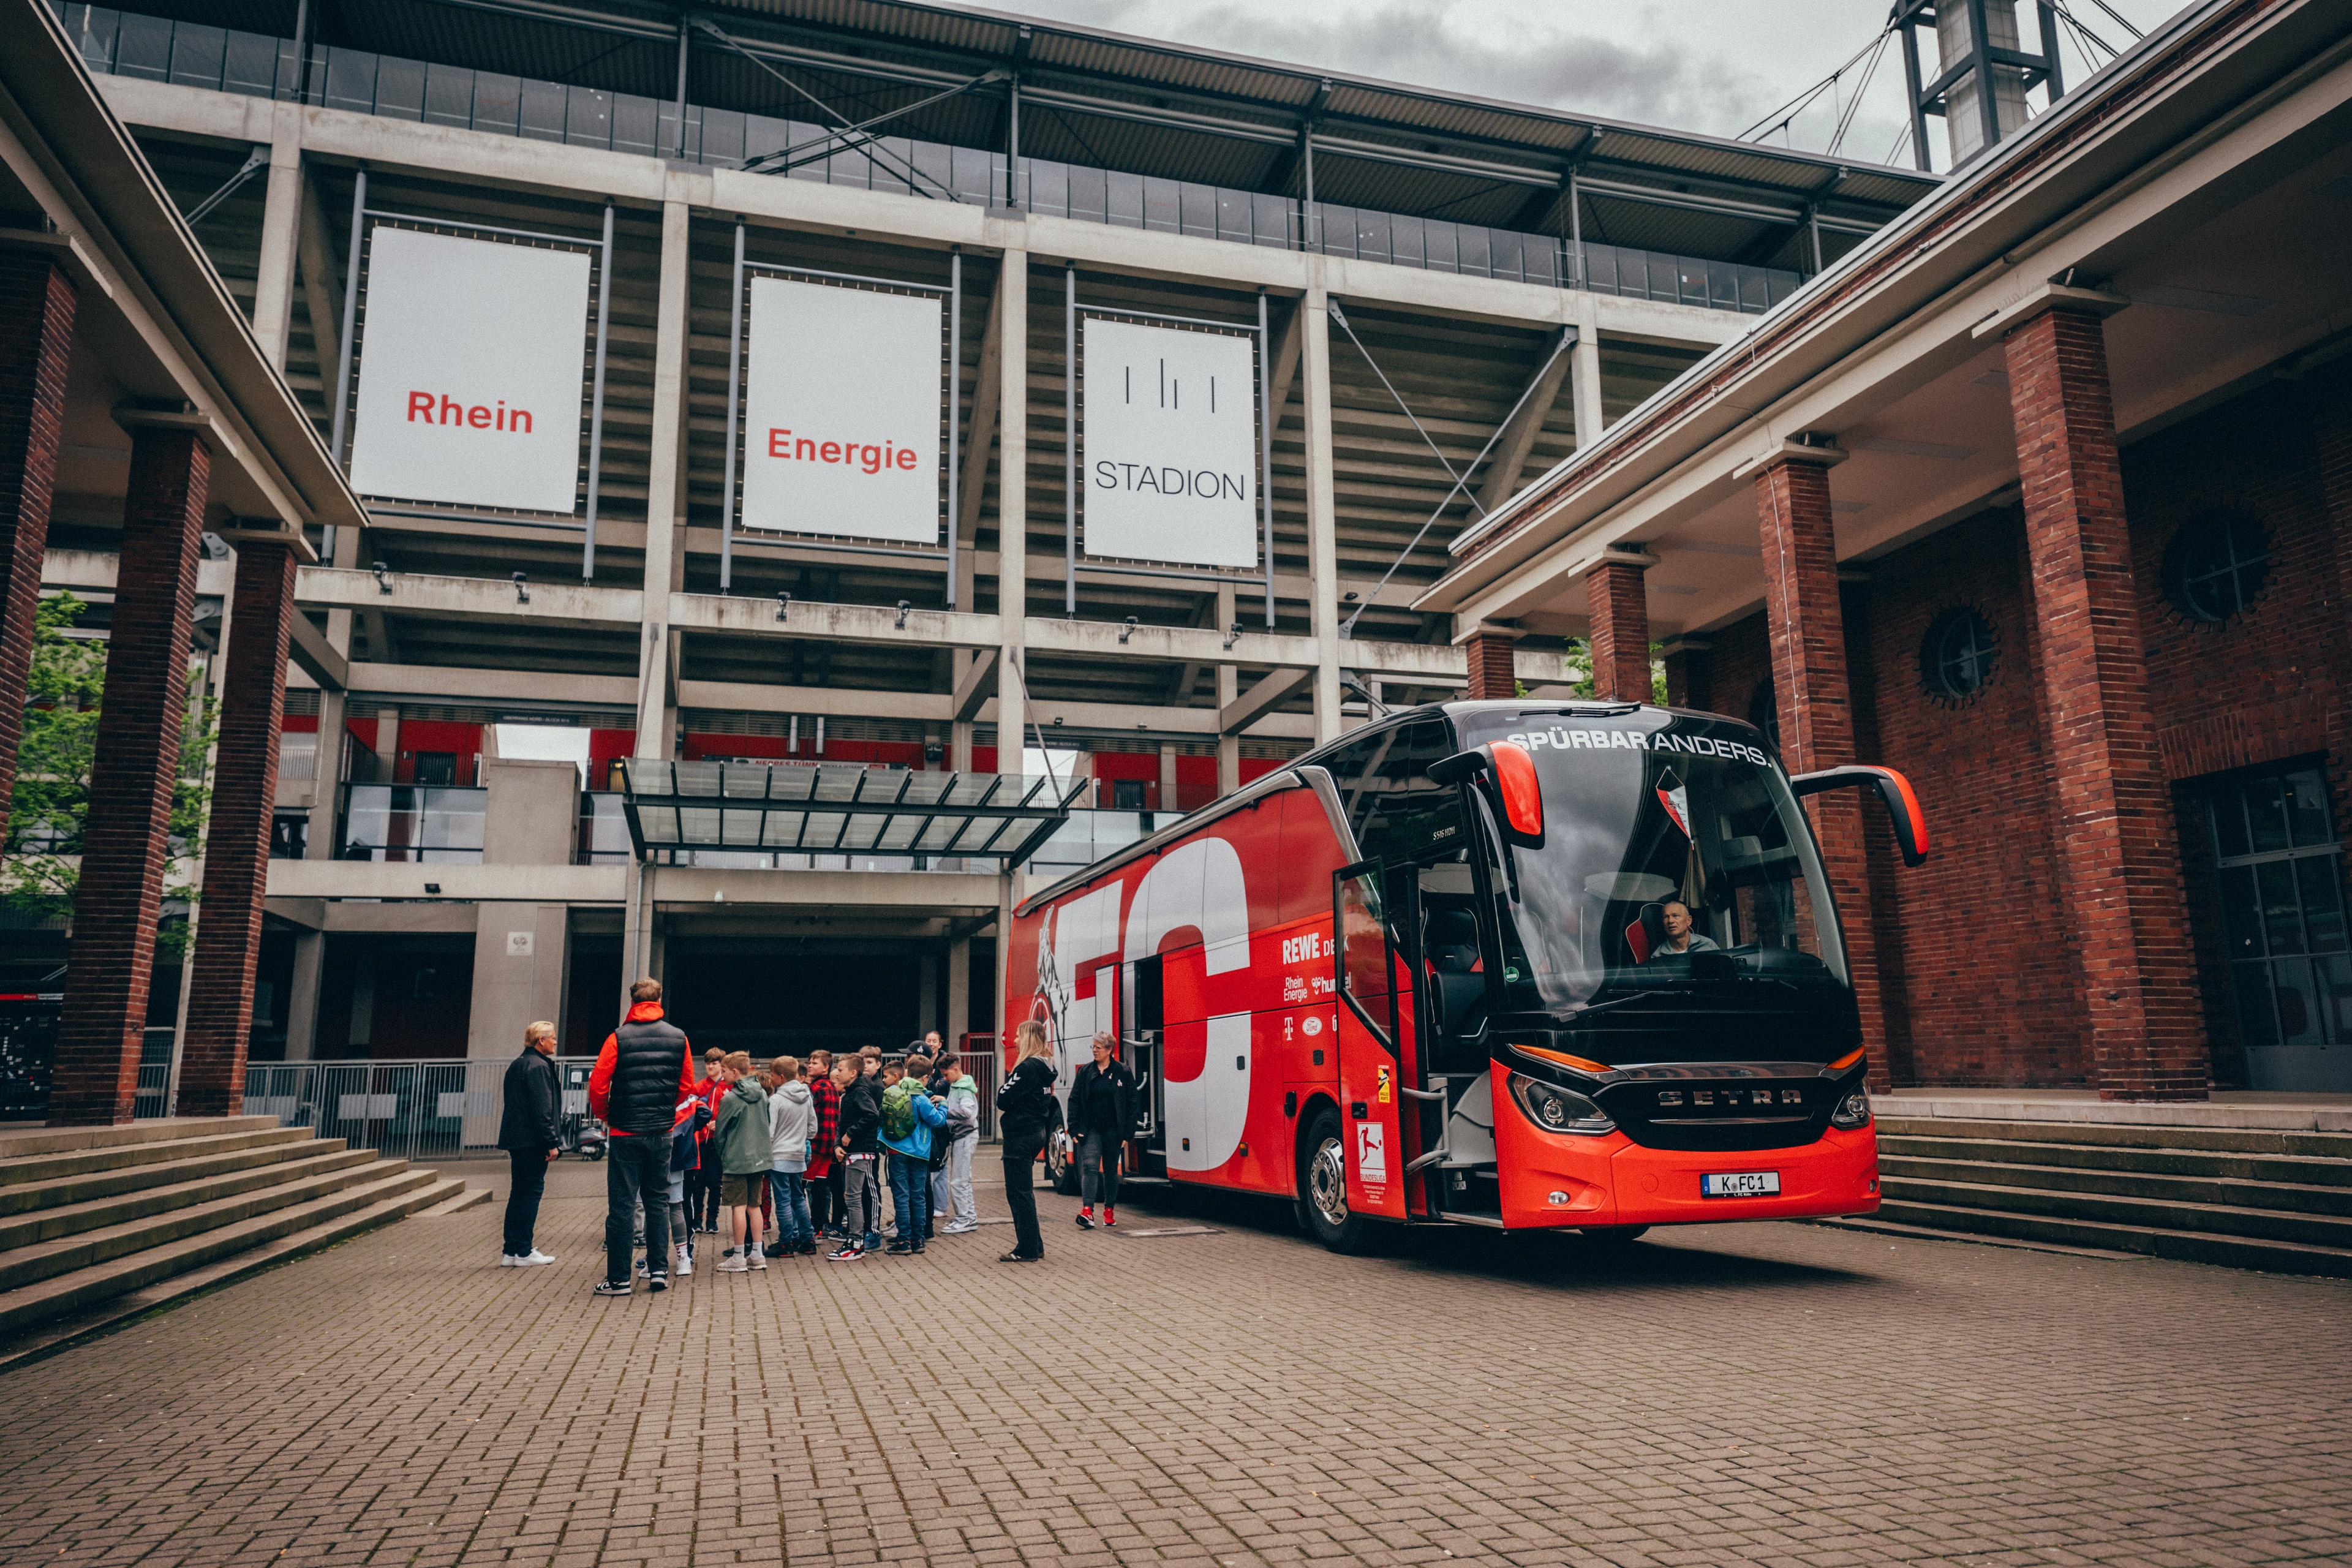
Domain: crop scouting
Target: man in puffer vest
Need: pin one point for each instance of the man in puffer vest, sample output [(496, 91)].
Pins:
[(645, 1067)]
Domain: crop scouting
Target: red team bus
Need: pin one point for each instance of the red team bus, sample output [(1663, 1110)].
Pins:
[(1514, 964)]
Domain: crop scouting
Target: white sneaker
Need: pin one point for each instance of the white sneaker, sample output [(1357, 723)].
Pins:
[(508, 1261), (733, 1264), (758, 1256), (535, 1259), (686, 1263), (958, 1229)]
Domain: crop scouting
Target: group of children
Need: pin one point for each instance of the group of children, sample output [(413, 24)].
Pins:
[(800, 1145)]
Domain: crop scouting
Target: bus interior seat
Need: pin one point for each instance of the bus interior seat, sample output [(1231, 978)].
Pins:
[(1647, 933), (1449, 944)]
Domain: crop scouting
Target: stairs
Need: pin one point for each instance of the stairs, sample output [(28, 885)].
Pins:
[(2242, 1197), (98, 1223)]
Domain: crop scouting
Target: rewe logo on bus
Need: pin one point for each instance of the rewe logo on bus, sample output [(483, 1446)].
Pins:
[(1305, 949)]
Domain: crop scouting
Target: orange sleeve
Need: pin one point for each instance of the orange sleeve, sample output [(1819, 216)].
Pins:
[(600, 1077), (685, 1074)]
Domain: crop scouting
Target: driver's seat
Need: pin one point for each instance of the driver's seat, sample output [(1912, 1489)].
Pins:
[(1647, 933), (1450, 945)]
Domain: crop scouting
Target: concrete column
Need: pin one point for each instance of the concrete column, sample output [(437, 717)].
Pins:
[(387, 743), (1584, 384), (958, 1014), (520, 951), (1229, 747), (36, 314), (1322, 513), (1013, 509), (1807, 628), (1166, 777), (281, 227), (1618, 608), (1689, 674), (119, 901), (665, 494), (927, 993), (1493, 663), (227, 946), (302, 995), (2117, 834)]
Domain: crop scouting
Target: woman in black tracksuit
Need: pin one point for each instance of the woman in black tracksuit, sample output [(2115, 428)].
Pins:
[(1024, 1108)]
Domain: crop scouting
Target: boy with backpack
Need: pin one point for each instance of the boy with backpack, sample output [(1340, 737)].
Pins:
[(741, 1137), (908, 1116), (858, 1148)]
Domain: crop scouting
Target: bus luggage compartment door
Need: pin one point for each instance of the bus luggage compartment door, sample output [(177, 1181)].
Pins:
[(1375, 1027)]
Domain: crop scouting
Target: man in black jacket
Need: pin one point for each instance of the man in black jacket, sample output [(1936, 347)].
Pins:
[(643, 1074), (1102, 1118), (530, 1134)]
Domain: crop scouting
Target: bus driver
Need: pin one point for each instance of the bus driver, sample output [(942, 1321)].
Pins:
[(1680, 938)]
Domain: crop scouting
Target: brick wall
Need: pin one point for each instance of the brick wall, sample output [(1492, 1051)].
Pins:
[(1494, 670), (36, 310), (1619, 611)]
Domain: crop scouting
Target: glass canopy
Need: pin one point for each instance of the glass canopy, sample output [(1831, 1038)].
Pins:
[(839, 808)]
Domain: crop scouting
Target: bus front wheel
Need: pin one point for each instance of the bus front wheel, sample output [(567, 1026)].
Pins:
[(1061, 1159), (1323, 1187)]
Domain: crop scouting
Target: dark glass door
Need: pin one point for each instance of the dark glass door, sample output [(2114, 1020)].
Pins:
[(2279, 876)]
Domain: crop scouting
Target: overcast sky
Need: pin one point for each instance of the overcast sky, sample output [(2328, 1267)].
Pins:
[(1714, 66)]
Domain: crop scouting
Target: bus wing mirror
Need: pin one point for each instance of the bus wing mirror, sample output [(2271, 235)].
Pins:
[(1511, 775), (1902, 805)]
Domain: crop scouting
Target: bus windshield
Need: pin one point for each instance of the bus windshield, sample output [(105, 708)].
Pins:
[(1673, 858)]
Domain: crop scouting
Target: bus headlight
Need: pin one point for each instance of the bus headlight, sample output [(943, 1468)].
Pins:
[(1557, 1110), (1852, 1111)]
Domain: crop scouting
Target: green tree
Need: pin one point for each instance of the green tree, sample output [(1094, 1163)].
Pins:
[(64, 691)]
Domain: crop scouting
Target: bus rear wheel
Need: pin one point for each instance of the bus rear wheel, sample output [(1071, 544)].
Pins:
[(1323, 1187)]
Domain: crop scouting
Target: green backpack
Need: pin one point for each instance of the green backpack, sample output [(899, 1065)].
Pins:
[(899, 1111)]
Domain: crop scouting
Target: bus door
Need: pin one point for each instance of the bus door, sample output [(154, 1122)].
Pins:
[(1380, 1087), (1141, 1029)]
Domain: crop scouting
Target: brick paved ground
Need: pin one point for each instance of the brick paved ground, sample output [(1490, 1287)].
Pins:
[(1773, 1394)]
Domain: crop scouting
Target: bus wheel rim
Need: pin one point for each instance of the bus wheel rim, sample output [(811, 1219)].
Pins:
[(1327, 1182)]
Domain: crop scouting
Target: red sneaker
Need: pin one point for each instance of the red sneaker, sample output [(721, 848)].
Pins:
[(1086, 1219), (1110, 1219)]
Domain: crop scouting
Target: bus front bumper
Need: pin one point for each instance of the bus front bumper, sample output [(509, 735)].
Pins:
[(1560, 1180)]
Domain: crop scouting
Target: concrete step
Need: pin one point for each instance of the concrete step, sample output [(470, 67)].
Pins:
[(34, 1170), (2296, 1169), (21, 1142), (312, 1158), (41, 1317), (2154, 1241), (2121, 1135), (27, 1265), (2237, 1221), (187, 1158), (2219, 1191)]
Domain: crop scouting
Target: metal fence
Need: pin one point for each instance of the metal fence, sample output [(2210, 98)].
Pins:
[(439, 1109)]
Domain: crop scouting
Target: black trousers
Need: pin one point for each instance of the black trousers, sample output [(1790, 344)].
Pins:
[(1021, 1151), (632, 1166), (522, 1198), (710, 1176)]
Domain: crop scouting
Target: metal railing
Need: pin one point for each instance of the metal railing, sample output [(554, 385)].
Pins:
[(123, 43), (411, 823)]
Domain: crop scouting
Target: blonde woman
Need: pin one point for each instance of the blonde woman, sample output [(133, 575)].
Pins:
[(1024, 1108)]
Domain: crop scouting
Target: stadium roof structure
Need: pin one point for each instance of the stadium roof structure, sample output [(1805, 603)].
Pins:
[(1106, 100)]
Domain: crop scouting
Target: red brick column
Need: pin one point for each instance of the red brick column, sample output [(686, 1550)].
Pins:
[(236, 844), (1807, 627), (2115, 831), (37, 312), (1494, 668), (119, 900), (1689, 676), (1619, 612)]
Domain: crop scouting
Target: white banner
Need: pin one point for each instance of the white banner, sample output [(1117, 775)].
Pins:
[(472, 372), (841, 421), (1171, 445)]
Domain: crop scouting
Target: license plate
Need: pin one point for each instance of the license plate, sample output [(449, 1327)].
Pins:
[(1741, 1184)]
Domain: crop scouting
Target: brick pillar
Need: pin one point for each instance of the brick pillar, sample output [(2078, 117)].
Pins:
[(236, 844), (1807, 627), (2116, 837), (36, 311), (1619, 612), (119, 900), (1494, 668), (1690, 681)]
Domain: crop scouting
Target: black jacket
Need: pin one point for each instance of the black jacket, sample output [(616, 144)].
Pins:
[(648, 1069), (1026, 1104), (861, 1114), (532, 1122), (1103, 1102)]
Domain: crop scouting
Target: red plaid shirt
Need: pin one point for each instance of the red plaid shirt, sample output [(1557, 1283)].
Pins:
[(828, 1127)]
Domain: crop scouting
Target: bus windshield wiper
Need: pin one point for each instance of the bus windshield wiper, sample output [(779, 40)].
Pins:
[(1617, 1001)]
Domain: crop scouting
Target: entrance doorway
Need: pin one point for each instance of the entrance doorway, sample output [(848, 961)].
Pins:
[(2278, 878)]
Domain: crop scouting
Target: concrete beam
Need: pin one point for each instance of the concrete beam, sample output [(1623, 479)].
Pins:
[(446, 683), (319, 658), (828, 701), (273, 282), (1520, 432), (974, 688), (469, 884), (1243, 711), (981, 441), (928, 893), (470, 598), (322, 282)]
